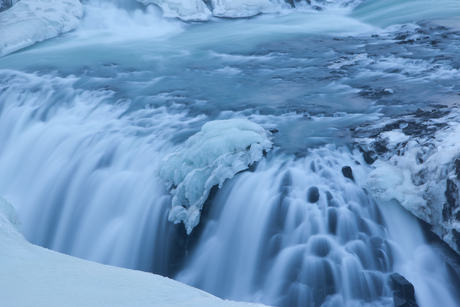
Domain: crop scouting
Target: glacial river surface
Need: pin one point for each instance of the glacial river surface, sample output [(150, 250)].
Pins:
[(86, 119)]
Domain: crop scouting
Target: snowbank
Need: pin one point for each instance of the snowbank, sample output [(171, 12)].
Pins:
[(222, 149), (187, 10), (196, 10), (31, 21), (240, 8), (34, 276), (418, 163)]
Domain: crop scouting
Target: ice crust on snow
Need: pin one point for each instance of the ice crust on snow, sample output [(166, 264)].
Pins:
[(31, 21), (240, 8), (186, 10), (220, 150), (34, 276)]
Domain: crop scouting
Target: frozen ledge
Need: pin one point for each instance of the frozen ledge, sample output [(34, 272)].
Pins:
[(416, 160), (196, 10), (31, 21), (220, 150), (34, 276)]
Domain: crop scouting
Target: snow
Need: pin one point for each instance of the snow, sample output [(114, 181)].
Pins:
[(186, 10), (31, 21), (240, 8), (220, 150), (416, 168), (34, 276)]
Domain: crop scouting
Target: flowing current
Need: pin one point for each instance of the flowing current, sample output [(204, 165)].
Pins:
[(86, 118)]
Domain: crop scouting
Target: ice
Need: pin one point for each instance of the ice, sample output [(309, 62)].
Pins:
[(420, 171), (220, 150), (187, 10), (34, 276), (31, 21), (240, 8), (9, 220)]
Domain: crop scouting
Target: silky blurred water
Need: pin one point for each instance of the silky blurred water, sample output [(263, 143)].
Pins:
[(86, 117)]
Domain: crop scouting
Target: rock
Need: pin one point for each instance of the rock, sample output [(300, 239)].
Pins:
[(348, 172), (404, 292), (313, 194)]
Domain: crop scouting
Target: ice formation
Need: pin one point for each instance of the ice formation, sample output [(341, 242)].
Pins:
[(187, 10), (418, 164), (240, 8), (31, 21), (220, 150)]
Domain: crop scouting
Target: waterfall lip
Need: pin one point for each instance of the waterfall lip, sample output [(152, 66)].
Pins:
[(220, 150)]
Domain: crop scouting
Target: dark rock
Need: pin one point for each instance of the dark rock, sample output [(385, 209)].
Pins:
[(274, 130), (404, 292), (348, 172), (367, 157), (457, 237), (313, 194), (452, 198)]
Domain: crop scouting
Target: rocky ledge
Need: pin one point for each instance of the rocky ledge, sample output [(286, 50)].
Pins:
[(416, 160)]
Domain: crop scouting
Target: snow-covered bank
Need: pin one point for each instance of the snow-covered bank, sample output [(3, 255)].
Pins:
[(196, 10), (220, 150), (418, 164), (31, 21), (34, 276)]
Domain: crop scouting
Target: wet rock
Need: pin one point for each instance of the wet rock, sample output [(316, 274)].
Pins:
[(367, 157), (404, 292), (348, 172), (313, 194)]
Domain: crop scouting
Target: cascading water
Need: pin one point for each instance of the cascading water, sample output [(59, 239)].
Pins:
[(86, 118)]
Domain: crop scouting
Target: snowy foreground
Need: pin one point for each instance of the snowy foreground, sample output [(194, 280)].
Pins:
[(34, 276)]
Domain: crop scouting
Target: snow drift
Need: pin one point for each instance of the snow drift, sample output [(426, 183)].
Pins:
[(31, 21), (220, 150), (34, 276)]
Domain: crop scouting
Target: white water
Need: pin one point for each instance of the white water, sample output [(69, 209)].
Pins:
[(86, 118)]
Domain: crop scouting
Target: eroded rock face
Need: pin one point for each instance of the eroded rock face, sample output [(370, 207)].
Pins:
[(417, 162)]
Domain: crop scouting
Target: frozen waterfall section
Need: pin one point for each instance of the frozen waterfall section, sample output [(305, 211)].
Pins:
[(30, 21), (220, 150), (35, 276)]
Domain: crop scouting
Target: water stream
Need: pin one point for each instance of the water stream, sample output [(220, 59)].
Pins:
[(86, 118)]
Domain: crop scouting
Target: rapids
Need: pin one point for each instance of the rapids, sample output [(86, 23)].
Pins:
[(87, 117)]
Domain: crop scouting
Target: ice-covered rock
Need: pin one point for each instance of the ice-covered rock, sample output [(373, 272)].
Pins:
[(240, 8), (187, 10), (220, 150), (417, 162), (31, 21), (34, 276)]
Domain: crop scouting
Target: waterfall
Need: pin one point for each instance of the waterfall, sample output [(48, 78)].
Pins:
[(87, 119)]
